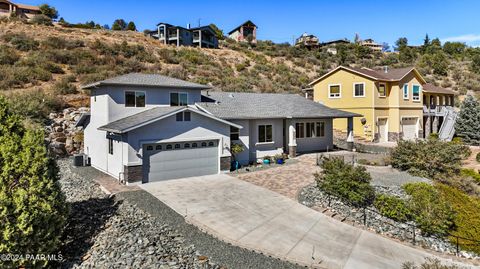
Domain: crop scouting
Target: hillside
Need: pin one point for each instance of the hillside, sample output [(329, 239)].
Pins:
[(44, 65)]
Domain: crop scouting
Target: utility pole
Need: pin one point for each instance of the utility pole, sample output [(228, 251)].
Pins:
[(199, 20)]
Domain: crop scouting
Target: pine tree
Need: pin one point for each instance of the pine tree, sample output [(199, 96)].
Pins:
[(33, 210), (468, 121), (131, 26), (119, 25), (426, 41)]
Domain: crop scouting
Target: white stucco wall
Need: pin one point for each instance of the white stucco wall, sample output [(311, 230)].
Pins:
[(308, 144), (244, 140), (260, 150), (169, 130)]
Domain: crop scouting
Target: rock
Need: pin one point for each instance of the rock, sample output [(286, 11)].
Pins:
[(58, 129)]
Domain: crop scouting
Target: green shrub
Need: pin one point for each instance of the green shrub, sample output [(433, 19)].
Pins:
[(21, 41), (35, 105), (65, 86), (467, 216), (431, 158), (345, 181), (433, 136), (393, 207), (471, 173), (41, 19), (54, 42), (431, 212), (33, 207), (477, 157), (8, 55)]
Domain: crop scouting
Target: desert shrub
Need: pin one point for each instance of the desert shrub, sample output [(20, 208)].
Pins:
[(430, 158), (471, 173), (33, 205), (345, 181), (431, 212), (18, 76), (477, 157), (37, 59), (467, 216), (41, 19), (393, 207), (430, 263), (35, 104), (21, 42), (8, 55), (65, 86)]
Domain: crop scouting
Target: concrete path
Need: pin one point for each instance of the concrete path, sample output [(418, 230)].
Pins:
[(253, 217)]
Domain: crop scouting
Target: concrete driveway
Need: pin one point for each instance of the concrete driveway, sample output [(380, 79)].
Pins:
[(250, 216)]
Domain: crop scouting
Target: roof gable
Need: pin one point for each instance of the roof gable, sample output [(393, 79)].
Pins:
[(249, 22), (147, 80), (392, 75), (124, 125)]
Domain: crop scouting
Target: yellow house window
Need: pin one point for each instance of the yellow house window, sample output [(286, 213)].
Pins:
[(334, 91), (359, 89), (382, 90)]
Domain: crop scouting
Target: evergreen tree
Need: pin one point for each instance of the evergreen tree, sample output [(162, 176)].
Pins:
[(48, 11), (401, 43), (33, 209), (131, 26), (119, 25), (468, 121), (426, 41), (218, 32)]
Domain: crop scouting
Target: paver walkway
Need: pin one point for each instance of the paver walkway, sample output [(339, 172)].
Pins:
[(253, 217), (286, 180)]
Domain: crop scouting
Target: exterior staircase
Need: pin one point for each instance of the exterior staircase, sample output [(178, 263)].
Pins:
[(447, 130)]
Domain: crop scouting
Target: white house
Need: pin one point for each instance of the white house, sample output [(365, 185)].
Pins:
[(145, 127)]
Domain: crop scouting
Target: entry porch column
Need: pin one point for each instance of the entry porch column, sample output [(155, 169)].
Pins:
[(292, 140), (350, 139)]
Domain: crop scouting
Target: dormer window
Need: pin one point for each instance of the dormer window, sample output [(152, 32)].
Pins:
[(134, 99), (178, 99)]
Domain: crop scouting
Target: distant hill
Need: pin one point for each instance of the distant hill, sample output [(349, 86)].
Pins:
[(52, 61)]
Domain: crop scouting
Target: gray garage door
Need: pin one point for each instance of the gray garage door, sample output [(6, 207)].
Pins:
[(179, 159)]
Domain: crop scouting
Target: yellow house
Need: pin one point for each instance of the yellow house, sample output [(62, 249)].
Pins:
[(393, 102)]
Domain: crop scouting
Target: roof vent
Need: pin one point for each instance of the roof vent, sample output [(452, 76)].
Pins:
[(385, 69)]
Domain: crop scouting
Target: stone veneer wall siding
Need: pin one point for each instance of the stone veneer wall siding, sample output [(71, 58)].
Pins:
[(225, 163), (292, 151), (133, 173)]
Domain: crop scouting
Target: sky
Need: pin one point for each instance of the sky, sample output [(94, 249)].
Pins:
[(282, 21)]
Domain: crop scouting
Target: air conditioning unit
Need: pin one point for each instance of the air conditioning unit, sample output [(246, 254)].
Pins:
[(81, 160)]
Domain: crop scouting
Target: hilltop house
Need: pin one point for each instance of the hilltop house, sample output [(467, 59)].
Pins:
[(308, 41), (203, 36), (246, 31), (370, 43), (7, 8), (144, 128), (395, 103)]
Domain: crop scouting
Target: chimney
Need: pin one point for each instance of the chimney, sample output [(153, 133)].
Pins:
[(188, 25), (385, 69)]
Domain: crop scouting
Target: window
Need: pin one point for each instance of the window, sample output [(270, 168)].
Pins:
[(110, 146), (265, 133), (405, 91), (186, 145), (211, 144), (194, 145), (382, 90), (178, 99), (300, 132), (334, 91), (234, 133), (134, 99), (204, 144), (183, 116), (177, 146), (169, 146), (149, 147), (320, 132), (310, 129), (359, 89), (416, 93), (158, 147)]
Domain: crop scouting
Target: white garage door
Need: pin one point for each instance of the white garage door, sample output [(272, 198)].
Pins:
[(180, 159), (409, 128)]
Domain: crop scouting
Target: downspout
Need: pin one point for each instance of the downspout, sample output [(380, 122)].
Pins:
[(374, 126)]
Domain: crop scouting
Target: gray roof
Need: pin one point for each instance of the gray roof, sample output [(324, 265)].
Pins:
[(237, 105), (148, 80), (143, 118), (124, 124)]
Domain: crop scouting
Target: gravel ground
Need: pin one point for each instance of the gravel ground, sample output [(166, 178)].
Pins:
[(136, 230)]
